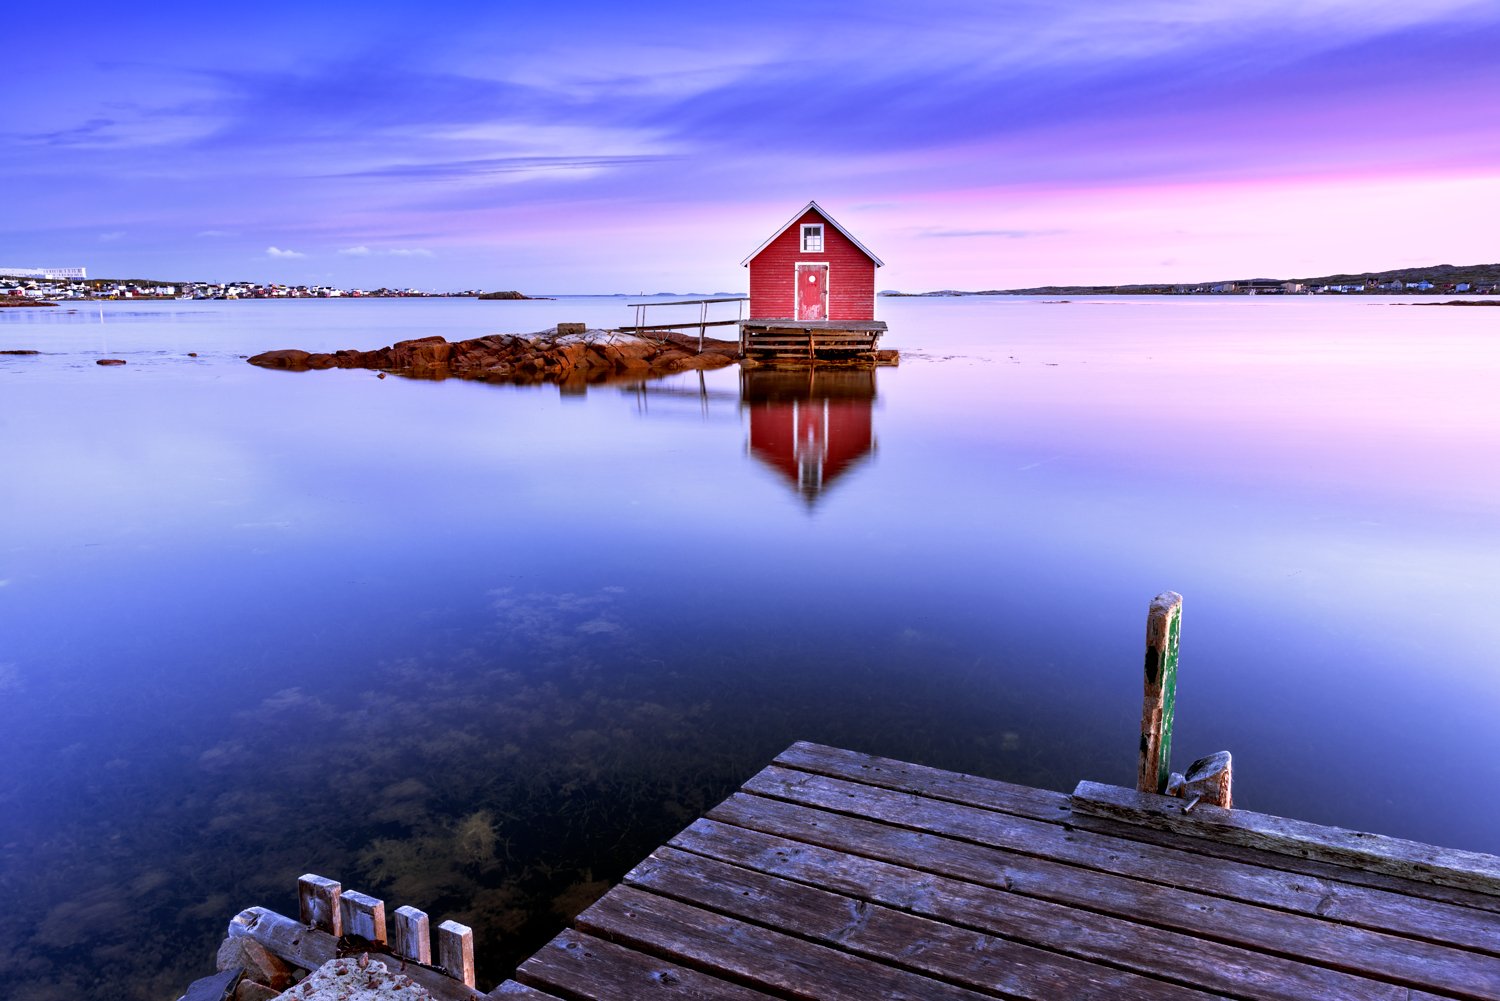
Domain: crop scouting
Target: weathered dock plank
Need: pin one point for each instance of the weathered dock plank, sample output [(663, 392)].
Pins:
[(1358, 849), (1263, 874), (933, 783), (511, 989), (1287, 863), (935, 948), (839, 875), (1156, 952), (1045, 804), (1172, 867), (581, 966), (1412, 963), (737, 950)]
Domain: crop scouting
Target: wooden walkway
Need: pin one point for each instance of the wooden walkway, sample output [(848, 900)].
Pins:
[(835, 875)]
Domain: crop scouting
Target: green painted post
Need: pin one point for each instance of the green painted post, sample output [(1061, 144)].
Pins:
[(1163, 627)]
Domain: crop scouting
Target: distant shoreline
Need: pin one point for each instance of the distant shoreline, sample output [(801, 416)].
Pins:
[(1169, 291)]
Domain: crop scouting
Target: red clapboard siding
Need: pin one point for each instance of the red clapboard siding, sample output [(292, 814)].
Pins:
[(773, 274)]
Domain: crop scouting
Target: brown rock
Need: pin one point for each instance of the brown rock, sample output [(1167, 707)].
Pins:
[(421, 356), (258, 962), (109, 361), (520, 359), (290, 359), (249, 990), (707, 360), (23, 351), (572, 328), (635, 349)]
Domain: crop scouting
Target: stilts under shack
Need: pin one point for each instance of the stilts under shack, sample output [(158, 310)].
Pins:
[(834, 874), (827, 340)]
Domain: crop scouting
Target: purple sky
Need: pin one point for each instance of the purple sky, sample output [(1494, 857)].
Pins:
[(590, 147)]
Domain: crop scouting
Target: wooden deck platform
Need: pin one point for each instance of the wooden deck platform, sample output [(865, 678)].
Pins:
[(826, 339), (835, 875)]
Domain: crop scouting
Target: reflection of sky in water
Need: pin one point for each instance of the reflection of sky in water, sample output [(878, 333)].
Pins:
[(480, 648)]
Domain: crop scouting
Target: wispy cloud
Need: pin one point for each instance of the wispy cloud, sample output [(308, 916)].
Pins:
[(1005, 234), (970, 129), (363, 251), (112, 236), (498, 165)]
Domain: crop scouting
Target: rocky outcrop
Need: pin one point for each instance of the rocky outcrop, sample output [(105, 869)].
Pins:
[(357, 979), (261, 968), (591, 356)]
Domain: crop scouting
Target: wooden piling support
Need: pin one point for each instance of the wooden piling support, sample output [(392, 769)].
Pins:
[(318, 904), (410, 937), (309, 949), (455, 944), (363, 916), (1159, 707)]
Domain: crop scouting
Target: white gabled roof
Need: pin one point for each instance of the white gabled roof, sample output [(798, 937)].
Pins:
[(814, 206)]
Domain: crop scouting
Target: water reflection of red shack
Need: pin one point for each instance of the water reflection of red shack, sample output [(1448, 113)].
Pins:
[(812, 425)]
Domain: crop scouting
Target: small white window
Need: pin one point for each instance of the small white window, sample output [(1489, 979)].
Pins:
[(812, 238)]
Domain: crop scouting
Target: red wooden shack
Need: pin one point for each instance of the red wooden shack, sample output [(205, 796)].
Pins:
[(812, 286), (812, 269)]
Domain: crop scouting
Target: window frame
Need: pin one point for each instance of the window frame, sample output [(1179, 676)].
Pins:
[(807, 231)]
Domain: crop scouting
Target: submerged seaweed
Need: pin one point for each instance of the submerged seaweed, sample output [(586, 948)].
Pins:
[(505, 783)]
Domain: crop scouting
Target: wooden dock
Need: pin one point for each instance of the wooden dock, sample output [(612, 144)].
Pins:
[(833, 340), (837, 875), (841, 876)]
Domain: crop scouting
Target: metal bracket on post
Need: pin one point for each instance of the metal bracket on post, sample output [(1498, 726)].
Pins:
[(1159, 707)]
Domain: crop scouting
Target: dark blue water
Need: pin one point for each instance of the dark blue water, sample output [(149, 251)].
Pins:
[(481, 648)]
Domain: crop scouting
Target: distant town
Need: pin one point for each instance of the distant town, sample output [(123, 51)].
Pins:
[(72, 284)]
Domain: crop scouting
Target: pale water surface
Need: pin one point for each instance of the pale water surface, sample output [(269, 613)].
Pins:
[(481, 648)]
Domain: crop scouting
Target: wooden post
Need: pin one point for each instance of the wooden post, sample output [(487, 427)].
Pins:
[(364, 916), (455, 944), (1158, 709), (318, 904), (410, 937)]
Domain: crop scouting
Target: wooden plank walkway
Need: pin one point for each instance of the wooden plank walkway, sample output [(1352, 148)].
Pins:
[(836, 875)]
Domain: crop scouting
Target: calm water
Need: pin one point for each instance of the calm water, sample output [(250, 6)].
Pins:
[(480, 649)]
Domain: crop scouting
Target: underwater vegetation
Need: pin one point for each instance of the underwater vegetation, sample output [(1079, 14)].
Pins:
[(504, 779)]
